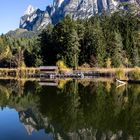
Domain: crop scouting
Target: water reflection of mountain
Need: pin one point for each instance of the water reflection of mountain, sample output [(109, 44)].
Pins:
[(78, 111)]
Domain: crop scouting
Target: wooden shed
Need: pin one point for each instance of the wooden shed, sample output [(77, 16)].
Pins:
[(48, 69)]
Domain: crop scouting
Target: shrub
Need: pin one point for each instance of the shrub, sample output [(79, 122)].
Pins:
[(135, 74), (108, 62), (85, 65), (120, 74), (61, 64)]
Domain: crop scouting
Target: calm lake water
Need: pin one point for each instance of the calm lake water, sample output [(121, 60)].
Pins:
[(73, 110)]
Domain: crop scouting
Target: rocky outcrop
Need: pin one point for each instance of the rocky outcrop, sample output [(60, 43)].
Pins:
[(36, 19)]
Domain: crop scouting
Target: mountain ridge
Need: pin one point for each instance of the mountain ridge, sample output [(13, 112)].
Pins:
[(36, 19)]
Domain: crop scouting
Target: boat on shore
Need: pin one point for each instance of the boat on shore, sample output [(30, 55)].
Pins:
[(128, 81)]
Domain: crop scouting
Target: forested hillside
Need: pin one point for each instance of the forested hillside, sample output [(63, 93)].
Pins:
[(108, 40), (19, 52)]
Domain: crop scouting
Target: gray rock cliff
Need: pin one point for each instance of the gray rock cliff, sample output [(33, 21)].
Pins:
[(36, 19)]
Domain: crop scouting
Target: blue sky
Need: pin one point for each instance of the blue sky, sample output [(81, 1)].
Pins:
[(12, 10)]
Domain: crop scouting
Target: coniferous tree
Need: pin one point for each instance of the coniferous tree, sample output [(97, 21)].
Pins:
[(117, 58), (73, 49)]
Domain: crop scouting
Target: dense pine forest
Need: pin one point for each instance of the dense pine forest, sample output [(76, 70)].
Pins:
[(107, 40)]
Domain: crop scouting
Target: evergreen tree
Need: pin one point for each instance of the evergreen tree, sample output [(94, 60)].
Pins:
[(46, 43), (73, 49), (117, 58)]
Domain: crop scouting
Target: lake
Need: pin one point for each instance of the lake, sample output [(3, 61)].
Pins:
[(69, 110)]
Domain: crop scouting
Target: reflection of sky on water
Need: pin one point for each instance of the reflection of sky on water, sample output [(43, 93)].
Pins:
[(12, 129)]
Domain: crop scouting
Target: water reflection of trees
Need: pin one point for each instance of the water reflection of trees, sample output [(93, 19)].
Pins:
[(96, 110)]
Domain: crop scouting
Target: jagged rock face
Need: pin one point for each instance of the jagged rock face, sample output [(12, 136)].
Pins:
[(57, 3), (88, 8), (35, 19)]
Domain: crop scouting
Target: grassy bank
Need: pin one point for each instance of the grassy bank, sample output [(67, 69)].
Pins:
[(17, 72), (120, 73)]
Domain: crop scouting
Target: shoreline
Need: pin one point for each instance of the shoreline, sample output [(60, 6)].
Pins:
[(37, 73)]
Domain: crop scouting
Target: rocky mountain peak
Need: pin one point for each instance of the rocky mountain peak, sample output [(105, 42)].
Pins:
[(58, 3), (30, 9)]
